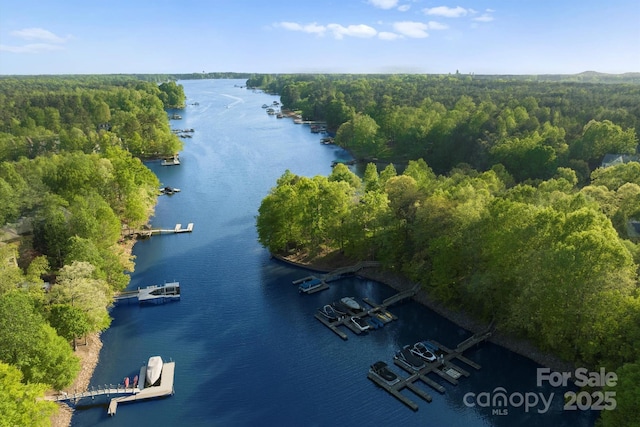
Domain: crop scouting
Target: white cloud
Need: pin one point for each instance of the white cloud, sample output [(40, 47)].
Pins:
[(385, 35), (383, 4), (362, 31), (434, 25), (404, 7), (38, 34), (312, 28), (417, 30), (31, 48), (485, 17), (448, 12), (45, 41)]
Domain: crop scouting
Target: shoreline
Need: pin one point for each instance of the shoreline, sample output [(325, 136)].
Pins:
[(395, 281), (89, 355)]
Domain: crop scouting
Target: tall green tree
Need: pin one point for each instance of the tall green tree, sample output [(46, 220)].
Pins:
[(30, 344), (22, 404), (77, 286)]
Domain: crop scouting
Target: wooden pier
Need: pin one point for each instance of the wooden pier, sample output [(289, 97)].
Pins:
[(164, 389), (155, 294), (443, 367), (144, 233), (377, 309), (126, 394)]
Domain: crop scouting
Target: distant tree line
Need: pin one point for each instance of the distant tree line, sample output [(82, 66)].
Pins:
[(40, 115), (71, 178), (530, 127)]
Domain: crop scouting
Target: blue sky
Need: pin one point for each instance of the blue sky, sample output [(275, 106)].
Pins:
[(324, 36)]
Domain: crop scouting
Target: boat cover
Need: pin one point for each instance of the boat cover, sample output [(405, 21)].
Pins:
[(154, 369)]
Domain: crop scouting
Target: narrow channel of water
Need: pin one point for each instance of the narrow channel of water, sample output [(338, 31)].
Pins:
[(247, 348)]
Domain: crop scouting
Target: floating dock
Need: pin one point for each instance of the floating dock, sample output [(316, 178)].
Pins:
[(333, 275), (148, 232), (154, 294), (377, 310), (126, 394), (164, 389), (443, 367)]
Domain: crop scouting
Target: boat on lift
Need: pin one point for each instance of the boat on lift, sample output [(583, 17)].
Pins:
[(153, 371)]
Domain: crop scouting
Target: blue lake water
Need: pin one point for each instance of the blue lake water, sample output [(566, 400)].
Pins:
[(247, 348)]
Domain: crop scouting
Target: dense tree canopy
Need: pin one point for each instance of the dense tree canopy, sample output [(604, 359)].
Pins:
[(31, 345), (71, 177), (529, 127), (54, 114), (22, 404)]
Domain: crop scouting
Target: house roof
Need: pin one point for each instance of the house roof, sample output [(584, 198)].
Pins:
[(618, 159)]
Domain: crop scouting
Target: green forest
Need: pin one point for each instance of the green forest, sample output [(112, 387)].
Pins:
[(71, 179), (502, 207)]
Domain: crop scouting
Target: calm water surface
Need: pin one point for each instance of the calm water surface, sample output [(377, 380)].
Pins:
[(247, 348)]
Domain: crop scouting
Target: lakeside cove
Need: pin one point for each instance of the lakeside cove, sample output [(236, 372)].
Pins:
[(402, 284)]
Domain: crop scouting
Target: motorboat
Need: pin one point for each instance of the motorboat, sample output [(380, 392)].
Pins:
[(382, 371), (420, 350), (432, 348), (328, 312), (154, 371), (310, 285), (405, 355), (339, 308), (351, 304), (360, 323), (169, 190)]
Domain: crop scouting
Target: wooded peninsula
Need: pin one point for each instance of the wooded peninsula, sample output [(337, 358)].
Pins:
[(518, 203), (513, 198)]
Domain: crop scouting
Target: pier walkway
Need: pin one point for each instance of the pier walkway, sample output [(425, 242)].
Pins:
[(156, 294), (401, 296), (144, 233), (443, 367), (336, 274), (122, 394)]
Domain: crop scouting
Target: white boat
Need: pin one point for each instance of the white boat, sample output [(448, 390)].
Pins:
[(351, 303), (361, 324), (171, 161), (154, 370)]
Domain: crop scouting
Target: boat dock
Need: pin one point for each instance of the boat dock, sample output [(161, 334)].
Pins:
[(154, 294), (442, 367), (125, 394), (334, 275), (148, 232), (378, 310), (164, 389)]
